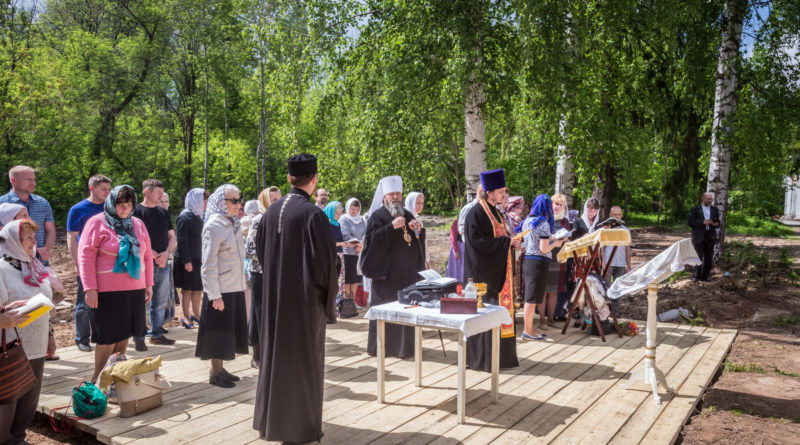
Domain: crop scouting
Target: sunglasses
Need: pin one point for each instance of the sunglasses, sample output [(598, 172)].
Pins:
[(234, 200)]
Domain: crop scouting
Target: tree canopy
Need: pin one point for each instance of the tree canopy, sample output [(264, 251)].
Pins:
[(198, 93)]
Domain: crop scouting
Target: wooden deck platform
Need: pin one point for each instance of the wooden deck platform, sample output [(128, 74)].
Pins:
[(566, 390)]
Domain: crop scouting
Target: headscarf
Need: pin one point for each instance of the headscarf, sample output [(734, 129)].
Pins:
[(251, 208), (33, 271), (585, 216), (358, 219), (389, 184), (8, 212), (330, 212), (411, 202), (128, 257), (542, 210), (194, 201), (216, 205), (512, 219)]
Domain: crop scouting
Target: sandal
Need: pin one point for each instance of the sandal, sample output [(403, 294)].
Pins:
[(52, 358), (194, 319), (187, 325)]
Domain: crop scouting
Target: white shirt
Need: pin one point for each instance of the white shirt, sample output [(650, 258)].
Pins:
[(706, 211)]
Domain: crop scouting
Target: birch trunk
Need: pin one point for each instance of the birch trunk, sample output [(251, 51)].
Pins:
[(725, 101), (565, 177), (474, 139)]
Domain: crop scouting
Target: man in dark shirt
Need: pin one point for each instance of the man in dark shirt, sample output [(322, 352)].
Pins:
[(163, 242), (99, 187)]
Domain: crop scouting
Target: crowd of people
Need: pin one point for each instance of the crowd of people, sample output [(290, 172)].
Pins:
[(271, 273)]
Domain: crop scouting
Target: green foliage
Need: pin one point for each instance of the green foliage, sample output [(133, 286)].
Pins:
[(139, 89), (786, 320)]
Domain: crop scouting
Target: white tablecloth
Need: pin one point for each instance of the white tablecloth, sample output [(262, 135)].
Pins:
[(469, 324), (661, 267)]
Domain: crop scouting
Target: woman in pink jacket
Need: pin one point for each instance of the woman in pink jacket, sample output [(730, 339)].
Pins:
[(116, 267)]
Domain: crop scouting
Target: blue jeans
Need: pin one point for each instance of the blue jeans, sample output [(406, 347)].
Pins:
[(83, 317), (159, 302)]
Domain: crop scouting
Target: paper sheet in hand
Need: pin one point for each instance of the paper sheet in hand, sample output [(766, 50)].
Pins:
[(521, 235), (36, 306), (562, 233), (433, 277)]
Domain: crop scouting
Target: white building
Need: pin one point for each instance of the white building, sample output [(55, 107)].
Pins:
[(791, 203)]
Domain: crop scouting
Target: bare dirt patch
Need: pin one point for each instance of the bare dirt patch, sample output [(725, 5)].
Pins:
[(765, 311)]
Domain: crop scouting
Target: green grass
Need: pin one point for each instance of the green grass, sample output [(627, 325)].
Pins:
[(736, 411), (738, 224), (782, 372), (747, 367), (785, 320)]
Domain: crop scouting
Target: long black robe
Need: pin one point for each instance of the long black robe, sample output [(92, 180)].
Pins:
[(485, 261), (299, 289), (392, 264)]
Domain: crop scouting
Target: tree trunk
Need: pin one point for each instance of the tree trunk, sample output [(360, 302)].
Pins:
[(604, 189), (456, 171), (725, 101), (205, 159), (565, 177), (474, 139), (262, 133)]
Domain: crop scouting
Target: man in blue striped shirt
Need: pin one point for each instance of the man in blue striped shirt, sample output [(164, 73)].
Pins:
[(23, 182)]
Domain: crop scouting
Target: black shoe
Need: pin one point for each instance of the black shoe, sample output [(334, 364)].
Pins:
[(161, 340), (221, 381), (140, 346), (83, 347), (229, 376), (165, 330)]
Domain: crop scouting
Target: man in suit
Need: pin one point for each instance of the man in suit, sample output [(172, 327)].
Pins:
[(704, 220)]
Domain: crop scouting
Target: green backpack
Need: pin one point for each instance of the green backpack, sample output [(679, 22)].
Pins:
[(88, 401)]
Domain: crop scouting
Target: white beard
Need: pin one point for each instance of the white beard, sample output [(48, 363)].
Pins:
[(395, 209)]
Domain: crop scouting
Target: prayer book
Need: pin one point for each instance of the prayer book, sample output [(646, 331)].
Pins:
[(433, 278), (36, 306)]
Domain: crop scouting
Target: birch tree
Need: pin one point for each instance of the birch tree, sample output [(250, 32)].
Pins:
[(725, 101)]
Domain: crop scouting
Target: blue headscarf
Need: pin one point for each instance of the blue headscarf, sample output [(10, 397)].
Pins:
[(330, 212), (542, 210), (128, 257)]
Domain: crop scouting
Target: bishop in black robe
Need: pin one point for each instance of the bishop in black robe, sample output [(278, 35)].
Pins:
[(392, 262), (485, 261), (298, 255)]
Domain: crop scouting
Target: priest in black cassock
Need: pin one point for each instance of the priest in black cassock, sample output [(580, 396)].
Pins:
[(488, 259), (296, 250), (394, 253)]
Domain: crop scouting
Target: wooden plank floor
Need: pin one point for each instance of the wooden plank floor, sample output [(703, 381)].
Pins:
[(566, 390)]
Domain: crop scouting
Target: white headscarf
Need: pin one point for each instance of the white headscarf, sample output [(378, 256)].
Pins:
[(33, 272), (8, 212), (585, 216), (411, 204), (216, 205), (358, 219), (389, 184), (194, 201), (251, 208)]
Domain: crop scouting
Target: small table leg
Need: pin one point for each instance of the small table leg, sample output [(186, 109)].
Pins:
[(381, 353), (495, 362), (418, 355), (462, 366)]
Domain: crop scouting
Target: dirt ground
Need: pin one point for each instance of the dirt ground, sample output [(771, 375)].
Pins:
[(734, 410)]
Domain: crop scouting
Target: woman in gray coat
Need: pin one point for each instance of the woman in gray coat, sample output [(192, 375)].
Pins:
[(223, 316)]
